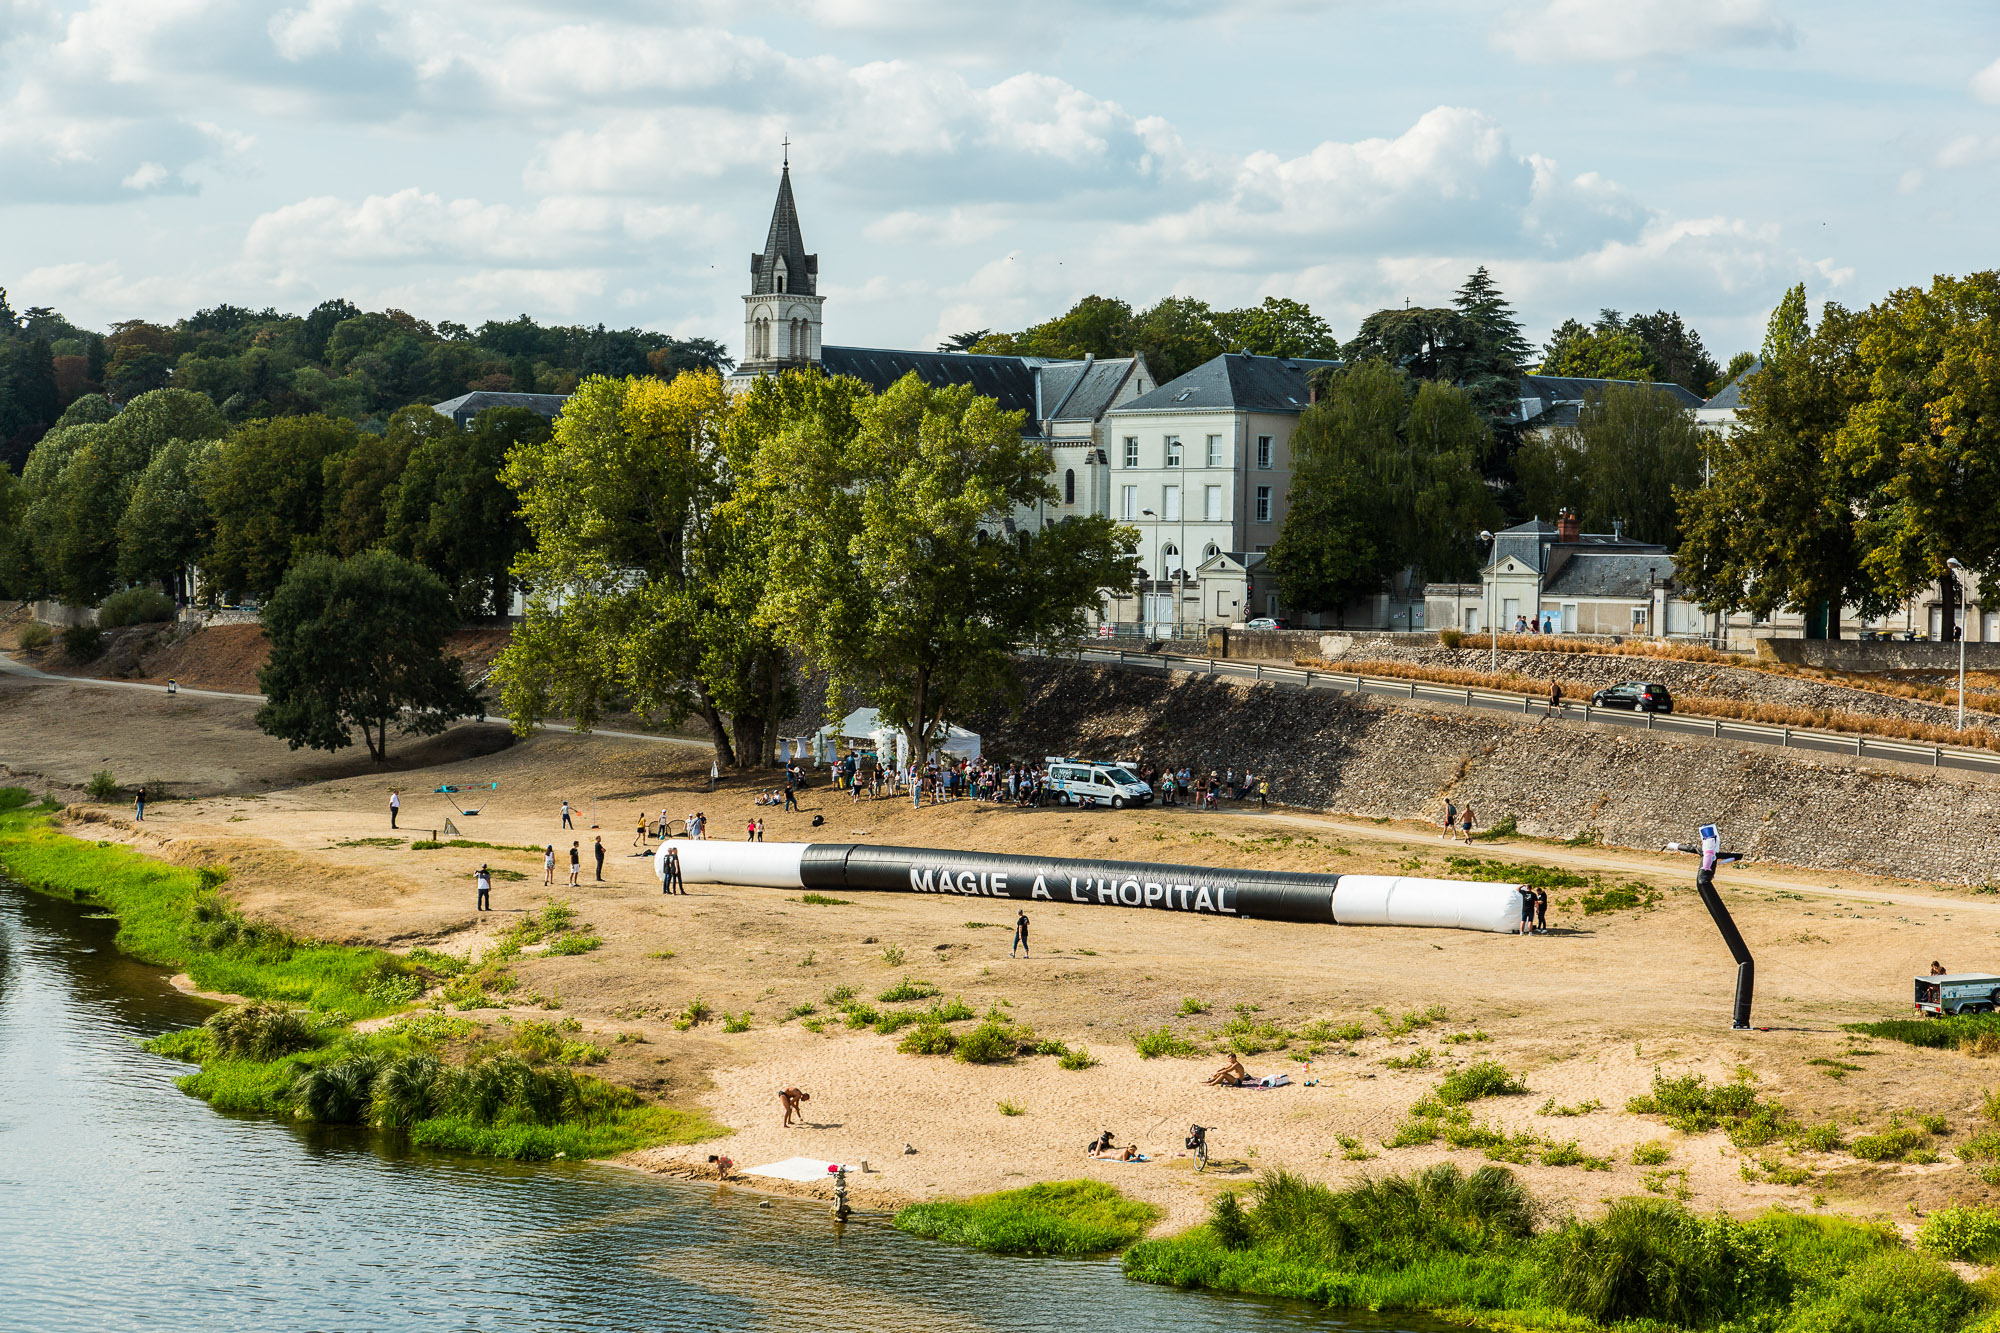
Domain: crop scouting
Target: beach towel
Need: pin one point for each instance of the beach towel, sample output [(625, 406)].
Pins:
[(1125, 1161), (1268, 1081), (794, 1168)]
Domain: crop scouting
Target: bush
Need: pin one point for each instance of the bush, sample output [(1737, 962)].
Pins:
[(1649, 1259), (1164, 1040), (907, 989), (1487, 1078), (135, 606), (1892, 1291), (928, 1037), (260, 1030), (989, 1043), (1894, 1144), (102, 786), (1970, 1233), (1692, 1106), (83, 643), (1451, 638), (1066, 1217), (1076, 1057), (36, 636)]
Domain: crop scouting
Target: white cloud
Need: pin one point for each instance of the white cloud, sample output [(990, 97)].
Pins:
[(1986, 83), (146, 176), (1621, 31), (1968, 150)]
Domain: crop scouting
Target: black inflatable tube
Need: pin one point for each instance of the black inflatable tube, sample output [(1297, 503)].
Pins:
[(1204, 890), (1746, 968)]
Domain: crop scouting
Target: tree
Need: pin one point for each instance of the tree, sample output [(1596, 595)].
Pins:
[(166, 527), (361, 484), (1604, 351), (635, 586), (1328, 550), (899, 576), (1418, 341), (1739, 363), (1277, 327), (91, 409), (1550, 468), (1789, 325), (1676, 352), (452, 512), (1639, 447), (13, 515), (30, 400), (1777, 524), (151, 420), (964, 342), (1175, 335), (267, 490), (360, 643), (1490, 349)]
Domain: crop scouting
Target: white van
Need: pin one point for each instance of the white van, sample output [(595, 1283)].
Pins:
[(1095, 782)]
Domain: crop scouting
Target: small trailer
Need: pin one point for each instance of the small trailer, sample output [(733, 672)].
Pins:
[(1958, 993)]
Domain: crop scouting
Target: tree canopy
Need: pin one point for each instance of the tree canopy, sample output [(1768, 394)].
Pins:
[(1630, 453), (360, 643), (1175, 334)]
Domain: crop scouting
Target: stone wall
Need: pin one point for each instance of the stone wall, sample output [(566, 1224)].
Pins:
[(1370, 757), (1854, 655)]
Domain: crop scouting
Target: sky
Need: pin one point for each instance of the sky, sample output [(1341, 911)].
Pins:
[(961, 166)]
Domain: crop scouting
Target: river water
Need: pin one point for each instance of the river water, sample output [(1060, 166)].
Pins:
[(125, 1204)]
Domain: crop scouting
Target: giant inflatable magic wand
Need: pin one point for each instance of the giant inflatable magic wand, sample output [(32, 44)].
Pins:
[(1704, 883)]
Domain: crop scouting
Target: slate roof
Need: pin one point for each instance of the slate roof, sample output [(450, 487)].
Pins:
[(1731, 394), (1578, 573), (1008, 380), (787, 242), (1562, 388), (1236, 381), (469, 405), (1082, 390), (1535, 545)]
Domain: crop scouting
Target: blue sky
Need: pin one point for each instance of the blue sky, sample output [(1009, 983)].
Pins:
[(962, 166)]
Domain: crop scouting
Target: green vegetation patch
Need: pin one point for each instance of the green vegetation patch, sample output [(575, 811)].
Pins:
[(1692, 1105), (1064, 1217), (1945, 1034)]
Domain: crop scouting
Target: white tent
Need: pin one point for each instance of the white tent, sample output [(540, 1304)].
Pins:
[(865, 727)]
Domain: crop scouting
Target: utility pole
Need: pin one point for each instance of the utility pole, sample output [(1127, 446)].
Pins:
[(1958, 586), (1492, 623)]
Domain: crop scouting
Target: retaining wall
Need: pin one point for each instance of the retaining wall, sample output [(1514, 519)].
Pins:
[(1855, 655)]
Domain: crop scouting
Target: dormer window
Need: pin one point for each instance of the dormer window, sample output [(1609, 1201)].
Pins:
[(778, 275)]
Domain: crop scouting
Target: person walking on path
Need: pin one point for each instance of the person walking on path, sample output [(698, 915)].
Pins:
[(549, 866), (485, 881), (566, 823), (1263, 792), (671, 881), (139, 806), (1465, 822), (1555, 698), (1450, 816), (597, 849), (639, 838), (575, 863), (1020, 934), (395, 807)]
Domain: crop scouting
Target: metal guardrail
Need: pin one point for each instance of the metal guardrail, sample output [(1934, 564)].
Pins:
[(1755, 733)]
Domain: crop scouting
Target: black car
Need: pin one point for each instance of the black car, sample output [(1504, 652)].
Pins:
[(1645, 695)]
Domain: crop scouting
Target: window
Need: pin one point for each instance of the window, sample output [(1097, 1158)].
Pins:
[(1170, 503), (1638, 618), (1210, 551), (1129, 501), (1069, 487), (1173, 451), (1131, 451), (1264, 452), (1215, 458), (1170, 558), (1263, 504), (1211, 508)]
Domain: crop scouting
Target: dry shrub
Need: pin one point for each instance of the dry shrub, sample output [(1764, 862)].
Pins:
[(1694, 705), (1981, 1044)]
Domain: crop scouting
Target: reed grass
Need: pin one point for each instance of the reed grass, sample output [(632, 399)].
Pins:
[(1065, 1217)]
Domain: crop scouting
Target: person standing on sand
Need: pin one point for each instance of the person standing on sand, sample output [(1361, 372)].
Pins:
[(1020, 934), (639, 838), (139, 806), (1541, 911), (1527, 911), (395, 807), (484, 879), (549, 866), (760, 829), (671, 880), (566, 823), (597, 848), (791, 1099), (575, 863)]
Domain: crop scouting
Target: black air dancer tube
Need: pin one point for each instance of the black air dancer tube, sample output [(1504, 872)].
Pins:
[(1704, 883), (1374, 900)]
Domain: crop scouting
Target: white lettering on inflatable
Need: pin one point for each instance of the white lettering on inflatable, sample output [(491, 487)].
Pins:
[(1222, 900), (1184, 890), (923, 881), (1075, 887), (1107, 892), (1155, 892), (1041, 889), (1202, 902), (999, 884), (1137, 895)]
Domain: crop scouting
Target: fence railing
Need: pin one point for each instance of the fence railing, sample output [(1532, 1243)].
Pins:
[(1839, 743)]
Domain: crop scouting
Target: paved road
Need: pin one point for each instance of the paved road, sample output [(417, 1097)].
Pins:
[(9, 667)]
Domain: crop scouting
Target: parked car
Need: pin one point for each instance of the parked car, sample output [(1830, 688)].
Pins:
[(1646, 696), (1269, 622)]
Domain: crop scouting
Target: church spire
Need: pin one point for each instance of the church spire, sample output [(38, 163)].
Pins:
[(781, 312), (784, 265)]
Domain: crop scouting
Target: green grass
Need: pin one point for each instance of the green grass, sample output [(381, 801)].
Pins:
[(1164, 1041), (1065, 1217), (1693, 1106), (1945, 1034), (906, 990), (821, 900)]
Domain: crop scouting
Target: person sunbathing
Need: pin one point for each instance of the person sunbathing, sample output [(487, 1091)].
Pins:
[(1231, 1075), (1103, 1147)]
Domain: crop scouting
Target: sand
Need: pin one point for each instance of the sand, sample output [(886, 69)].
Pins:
[(1586, 1014)]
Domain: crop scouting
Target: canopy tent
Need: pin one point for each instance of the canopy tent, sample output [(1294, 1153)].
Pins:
[(864, 729)]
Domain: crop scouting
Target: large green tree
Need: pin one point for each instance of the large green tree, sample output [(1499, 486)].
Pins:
[(267, 491), (1603, 351), (636, 587), (1631, 452), (452, 511), (361, 484), (166, 527), (899, 575), (360, 643)]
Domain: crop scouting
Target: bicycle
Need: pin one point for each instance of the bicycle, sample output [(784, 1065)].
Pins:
[(1197, 1140)]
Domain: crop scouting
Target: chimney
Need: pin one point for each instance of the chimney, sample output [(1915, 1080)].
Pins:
[(1567, 526)]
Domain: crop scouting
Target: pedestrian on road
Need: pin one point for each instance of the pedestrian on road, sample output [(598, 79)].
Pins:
[(597, 848), (139, 806), (575, 863), (1465, 822), (1020, 934), (1450, 816), (1555, 697), (485, 881), (549, 866), (671, 881), (395, 808), (566, 823)]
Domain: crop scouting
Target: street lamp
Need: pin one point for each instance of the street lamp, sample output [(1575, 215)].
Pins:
[(1958, 577), (1492, 623)]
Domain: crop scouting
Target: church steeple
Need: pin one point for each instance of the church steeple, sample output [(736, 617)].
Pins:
[(781, 316)]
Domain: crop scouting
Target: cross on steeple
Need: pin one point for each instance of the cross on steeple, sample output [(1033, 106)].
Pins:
[(788, 151)]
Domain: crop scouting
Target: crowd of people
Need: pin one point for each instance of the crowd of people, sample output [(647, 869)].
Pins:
[(980, 779)]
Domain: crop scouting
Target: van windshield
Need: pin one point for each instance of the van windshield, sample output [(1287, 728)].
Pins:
[(1120, 775)]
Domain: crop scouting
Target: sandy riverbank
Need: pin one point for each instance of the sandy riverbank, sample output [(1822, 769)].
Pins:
[(1585, 1014)]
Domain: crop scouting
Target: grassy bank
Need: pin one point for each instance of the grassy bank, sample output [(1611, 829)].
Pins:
[(1477, 1248), (1064, 1217), (294, 1052)]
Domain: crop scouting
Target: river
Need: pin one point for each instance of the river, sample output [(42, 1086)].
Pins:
[(125, 1204)]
